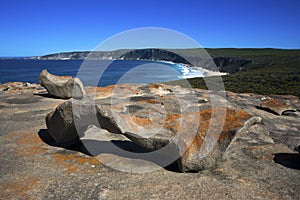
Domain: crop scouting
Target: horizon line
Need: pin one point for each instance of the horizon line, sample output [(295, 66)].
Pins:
[(76, 51)]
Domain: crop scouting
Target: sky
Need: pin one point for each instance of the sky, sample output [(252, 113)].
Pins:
[(33, 28)]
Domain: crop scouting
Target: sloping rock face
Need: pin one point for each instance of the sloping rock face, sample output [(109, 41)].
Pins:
[(276, 106), (209, 144), (64, 87)]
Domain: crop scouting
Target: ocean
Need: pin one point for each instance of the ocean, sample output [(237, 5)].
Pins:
[(96, 72)]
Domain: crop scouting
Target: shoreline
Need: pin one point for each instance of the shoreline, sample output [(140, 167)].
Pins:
[(185, 71), (207, 73)]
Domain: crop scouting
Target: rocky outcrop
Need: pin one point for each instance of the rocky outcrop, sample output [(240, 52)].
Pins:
[(62, 86), (195, 132), (261, 162), (153, 117)]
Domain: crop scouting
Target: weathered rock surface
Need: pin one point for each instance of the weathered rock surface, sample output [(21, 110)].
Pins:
[(20, 87), (61, 124), (71, 118), (261, 162), (200, 142), (202, 153), (155, 116), (276, 106), (64, 87)]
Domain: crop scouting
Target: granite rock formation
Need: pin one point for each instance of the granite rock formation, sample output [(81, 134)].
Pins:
[(64, 87), (156, 116), (261, 162)]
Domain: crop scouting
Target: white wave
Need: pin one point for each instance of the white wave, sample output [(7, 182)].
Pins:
[(187, 72)]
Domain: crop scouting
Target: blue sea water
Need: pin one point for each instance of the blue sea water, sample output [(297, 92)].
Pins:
[(96, 72)]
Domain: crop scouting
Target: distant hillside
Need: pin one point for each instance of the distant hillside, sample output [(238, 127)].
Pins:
[(260, 71), (154, 54), (80, 55), (229, 60)]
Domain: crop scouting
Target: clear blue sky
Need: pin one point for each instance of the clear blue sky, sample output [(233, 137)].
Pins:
[(48, 26)]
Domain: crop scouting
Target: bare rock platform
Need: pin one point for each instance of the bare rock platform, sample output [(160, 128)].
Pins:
[(261, 162)]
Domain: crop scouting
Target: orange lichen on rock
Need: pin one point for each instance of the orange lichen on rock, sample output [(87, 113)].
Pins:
[(18, 189), (276, 106), (141, 121), (28, 142), (74, 162), (101, 91), (272, 103), (217, 130), (30, 145), (156, 86), (172, 123)]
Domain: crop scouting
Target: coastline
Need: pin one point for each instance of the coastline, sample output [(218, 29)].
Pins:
[(207, 73), (184, 71)]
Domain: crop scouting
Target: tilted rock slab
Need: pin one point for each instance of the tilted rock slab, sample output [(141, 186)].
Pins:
[(276, 106), (198, 147), (64, 87)]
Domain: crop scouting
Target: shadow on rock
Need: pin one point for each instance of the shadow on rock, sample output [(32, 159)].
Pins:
[(78, 146), (46, 95), (266, 109), (290, 160), (120, 148)]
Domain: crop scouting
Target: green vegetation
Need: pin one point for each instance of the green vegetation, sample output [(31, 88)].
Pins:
[(272, 71)]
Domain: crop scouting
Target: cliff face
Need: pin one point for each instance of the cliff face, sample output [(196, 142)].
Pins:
[(232, 64), (154, 54)]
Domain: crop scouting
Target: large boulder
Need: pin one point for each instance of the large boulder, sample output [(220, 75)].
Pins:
[(67, 123), (200, 140), (61, 124), (62, 86)]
